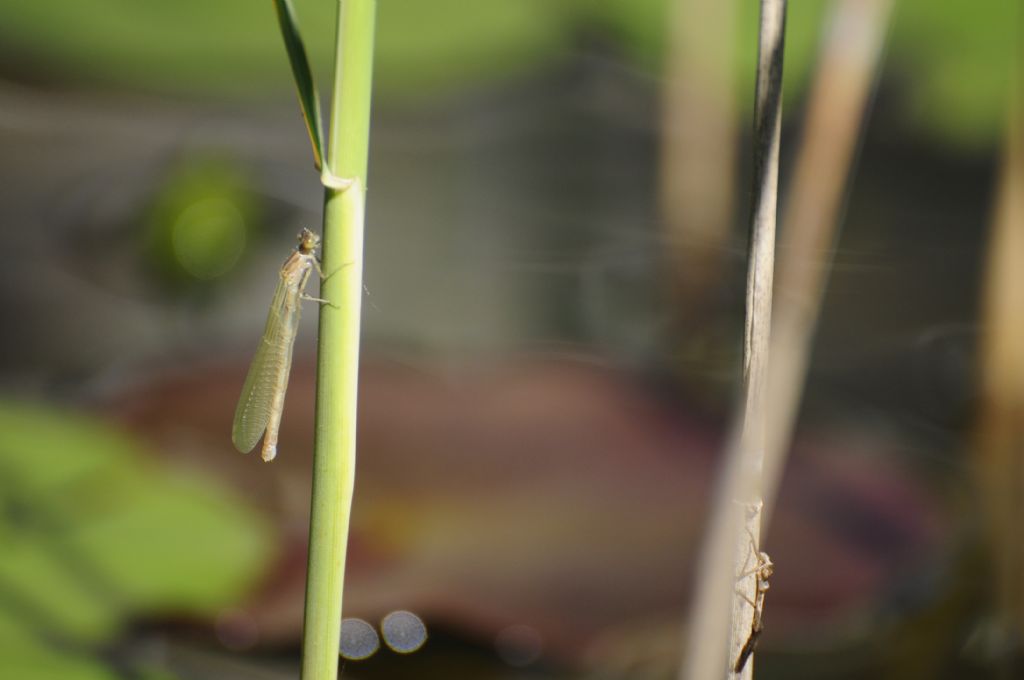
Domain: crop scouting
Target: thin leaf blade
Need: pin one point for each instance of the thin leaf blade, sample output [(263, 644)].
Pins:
[(309, 98)]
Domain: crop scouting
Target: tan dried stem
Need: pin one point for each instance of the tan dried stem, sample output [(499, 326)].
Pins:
[(999, 453), (698, 152), (723, 618), (851, 52)]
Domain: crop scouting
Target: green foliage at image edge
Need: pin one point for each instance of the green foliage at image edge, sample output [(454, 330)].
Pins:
[(96, 534)]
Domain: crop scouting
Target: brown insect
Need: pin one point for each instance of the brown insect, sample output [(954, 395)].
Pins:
[(762, 570)]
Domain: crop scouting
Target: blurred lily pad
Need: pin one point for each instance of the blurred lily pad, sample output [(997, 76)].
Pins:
[(97, 534)]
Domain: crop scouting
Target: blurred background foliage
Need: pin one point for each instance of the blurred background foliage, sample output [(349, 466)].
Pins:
[(953, 56), (96, 536), (153, 169)]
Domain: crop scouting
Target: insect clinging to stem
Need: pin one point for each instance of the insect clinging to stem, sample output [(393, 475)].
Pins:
[(762, 571), (262, 400)]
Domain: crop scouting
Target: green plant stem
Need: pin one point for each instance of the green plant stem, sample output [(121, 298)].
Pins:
[(334, 454)]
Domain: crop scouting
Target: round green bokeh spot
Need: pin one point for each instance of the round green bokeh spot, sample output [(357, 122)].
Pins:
[(208, 237)]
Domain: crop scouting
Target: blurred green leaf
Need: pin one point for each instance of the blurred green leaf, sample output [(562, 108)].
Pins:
[(26, 657), (232, 47), (953, 61), (50, 590), (950, 59), (431, 47), (225, 47), (96, 534), (309, 98)]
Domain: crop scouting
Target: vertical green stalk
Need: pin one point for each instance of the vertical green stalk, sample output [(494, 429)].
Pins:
[(334, 454)]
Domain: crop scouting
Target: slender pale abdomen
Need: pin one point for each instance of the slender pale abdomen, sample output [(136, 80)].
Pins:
[(262, 399)]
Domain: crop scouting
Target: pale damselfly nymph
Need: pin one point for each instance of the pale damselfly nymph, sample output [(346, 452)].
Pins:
[(262, 400)]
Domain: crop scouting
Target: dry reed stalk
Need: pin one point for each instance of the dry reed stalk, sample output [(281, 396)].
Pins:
[(999, 450), (723, 618), (848, 69), (698, 152)]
